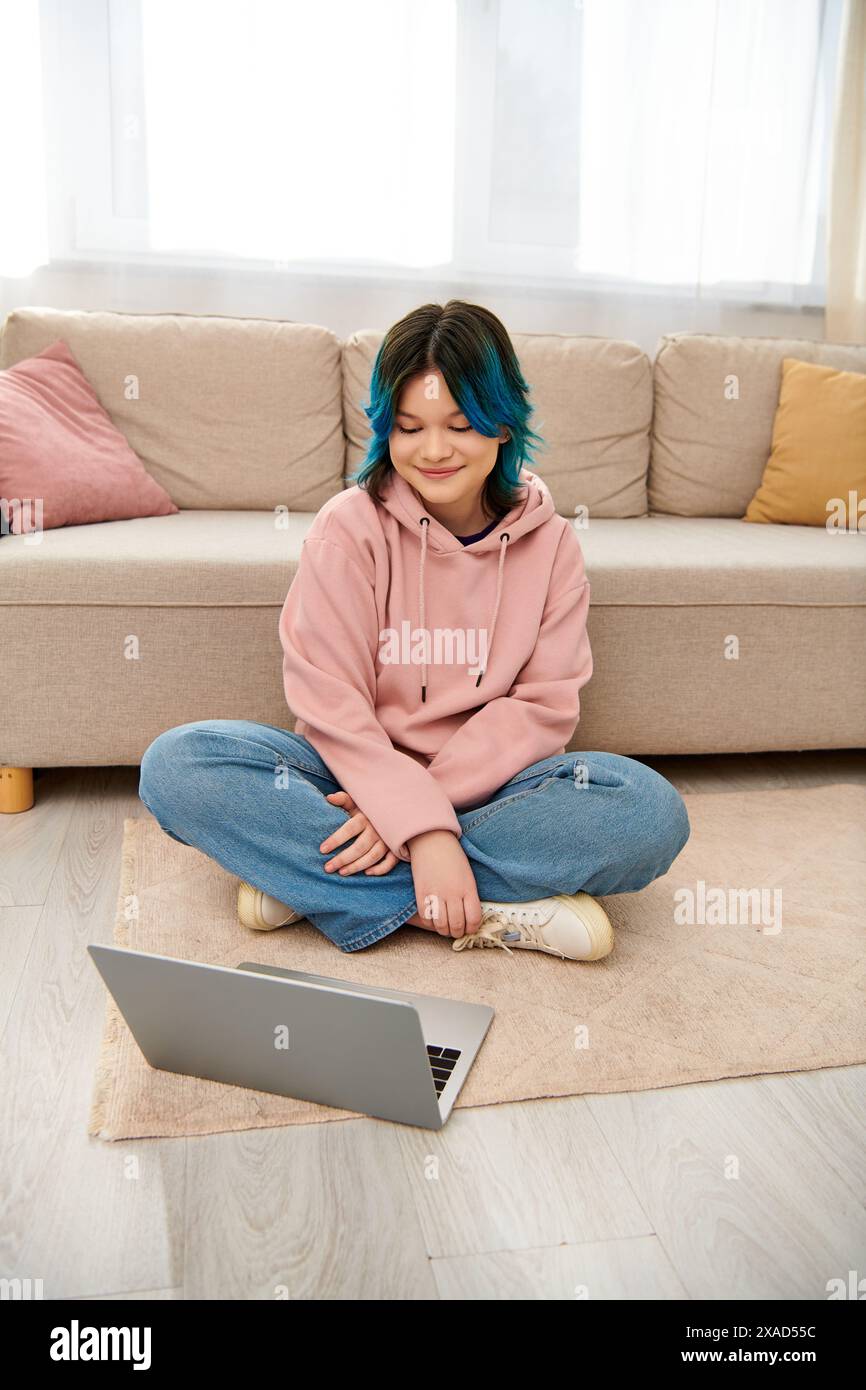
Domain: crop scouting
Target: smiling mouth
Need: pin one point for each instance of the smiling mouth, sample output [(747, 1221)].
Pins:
[(439, 472)]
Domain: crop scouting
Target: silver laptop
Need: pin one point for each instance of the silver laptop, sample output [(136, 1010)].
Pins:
[(382, 1052)]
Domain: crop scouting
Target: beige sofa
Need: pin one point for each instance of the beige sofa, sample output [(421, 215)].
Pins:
[(709, 634)]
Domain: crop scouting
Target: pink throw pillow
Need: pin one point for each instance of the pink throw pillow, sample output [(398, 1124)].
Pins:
[(57, 444)]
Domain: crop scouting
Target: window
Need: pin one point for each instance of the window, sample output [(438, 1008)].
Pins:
[(643, 145)]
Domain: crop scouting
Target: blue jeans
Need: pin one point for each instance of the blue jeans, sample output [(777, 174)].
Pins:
[(252, 797)]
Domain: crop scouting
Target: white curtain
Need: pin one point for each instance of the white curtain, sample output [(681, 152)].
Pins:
[(660, 144), (702, 129), (298, 130), (23, 192), (672, 142), (846, 239), (648, 142)]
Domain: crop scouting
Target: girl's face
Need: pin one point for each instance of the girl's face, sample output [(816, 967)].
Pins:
[(434, 447)]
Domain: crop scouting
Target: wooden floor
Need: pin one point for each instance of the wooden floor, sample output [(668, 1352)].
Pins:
[(618, 1196)]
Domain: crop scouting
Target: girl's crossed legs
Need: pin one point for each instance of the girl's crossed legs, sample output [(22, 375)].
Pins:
[(252, 797)]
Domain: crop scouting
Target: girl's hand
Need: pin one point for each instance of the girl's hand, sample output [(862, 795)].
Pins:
[(368, 852), (445, 891)]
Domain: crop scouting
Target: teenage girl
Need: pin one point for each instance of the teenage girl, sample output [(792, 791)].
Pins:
[(434, 648)]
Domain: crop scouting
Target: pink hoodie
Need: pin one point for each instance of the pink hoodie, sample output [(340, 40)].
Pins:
[(412, 728)]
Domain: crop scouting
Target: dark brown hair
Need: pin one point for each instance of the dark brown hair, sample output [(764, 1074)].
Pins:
[(470, 346)]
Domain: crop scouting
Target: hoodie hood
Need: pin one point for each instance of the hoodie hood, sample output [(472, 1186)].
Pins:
[(533, 509)]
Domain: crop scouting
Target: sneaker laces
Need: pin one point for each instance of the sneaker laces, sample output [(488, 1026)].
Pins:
[(496, 924)]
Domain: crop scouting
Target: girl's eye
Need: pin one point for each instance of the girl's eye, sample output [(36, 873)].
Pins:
[(458, 429)]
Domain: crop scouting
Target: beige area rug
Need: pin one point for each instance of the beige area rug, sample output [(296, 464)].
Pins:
[(675, 1002)]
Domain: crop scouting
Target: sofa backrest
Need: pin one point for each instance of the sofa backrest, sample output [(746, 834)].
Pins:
[(253, 414), (240, 414), (715, 402), (593, 406)]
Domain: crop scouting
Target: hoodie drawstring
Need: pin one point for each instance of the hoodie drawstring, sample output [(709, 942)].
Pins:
[(425, 523), (503, 545)]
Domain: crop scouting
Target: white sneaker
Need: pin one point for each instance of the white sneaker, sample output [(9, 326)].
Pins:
[(259, 910), (571, 925)]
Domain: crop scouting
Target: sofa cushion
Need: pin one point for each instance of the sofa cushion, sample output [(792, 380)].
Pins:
[(62, 461), (223, 412), (240, 559), (593, 407), (715, 403), (194, 558), (816, 473), (673, 561)]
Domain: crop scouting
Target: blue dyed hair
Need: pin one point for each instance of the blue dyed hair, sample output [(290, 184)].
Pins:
[(470, 346)]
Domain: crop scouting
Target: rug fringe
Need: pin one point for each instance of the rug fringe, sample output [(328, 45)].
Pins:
[(103, 1085)]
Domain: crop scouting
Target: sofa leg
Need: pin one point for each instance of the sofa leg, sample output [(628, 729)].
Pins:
[(16, 788)]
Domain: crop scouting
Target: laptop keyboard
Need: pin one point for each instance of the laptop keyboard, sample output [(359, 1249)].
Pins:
[(442, 1062)]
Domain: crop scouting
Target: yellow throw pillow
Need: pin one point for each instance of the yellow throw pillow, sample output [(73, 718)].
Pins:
[(816, 472)]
